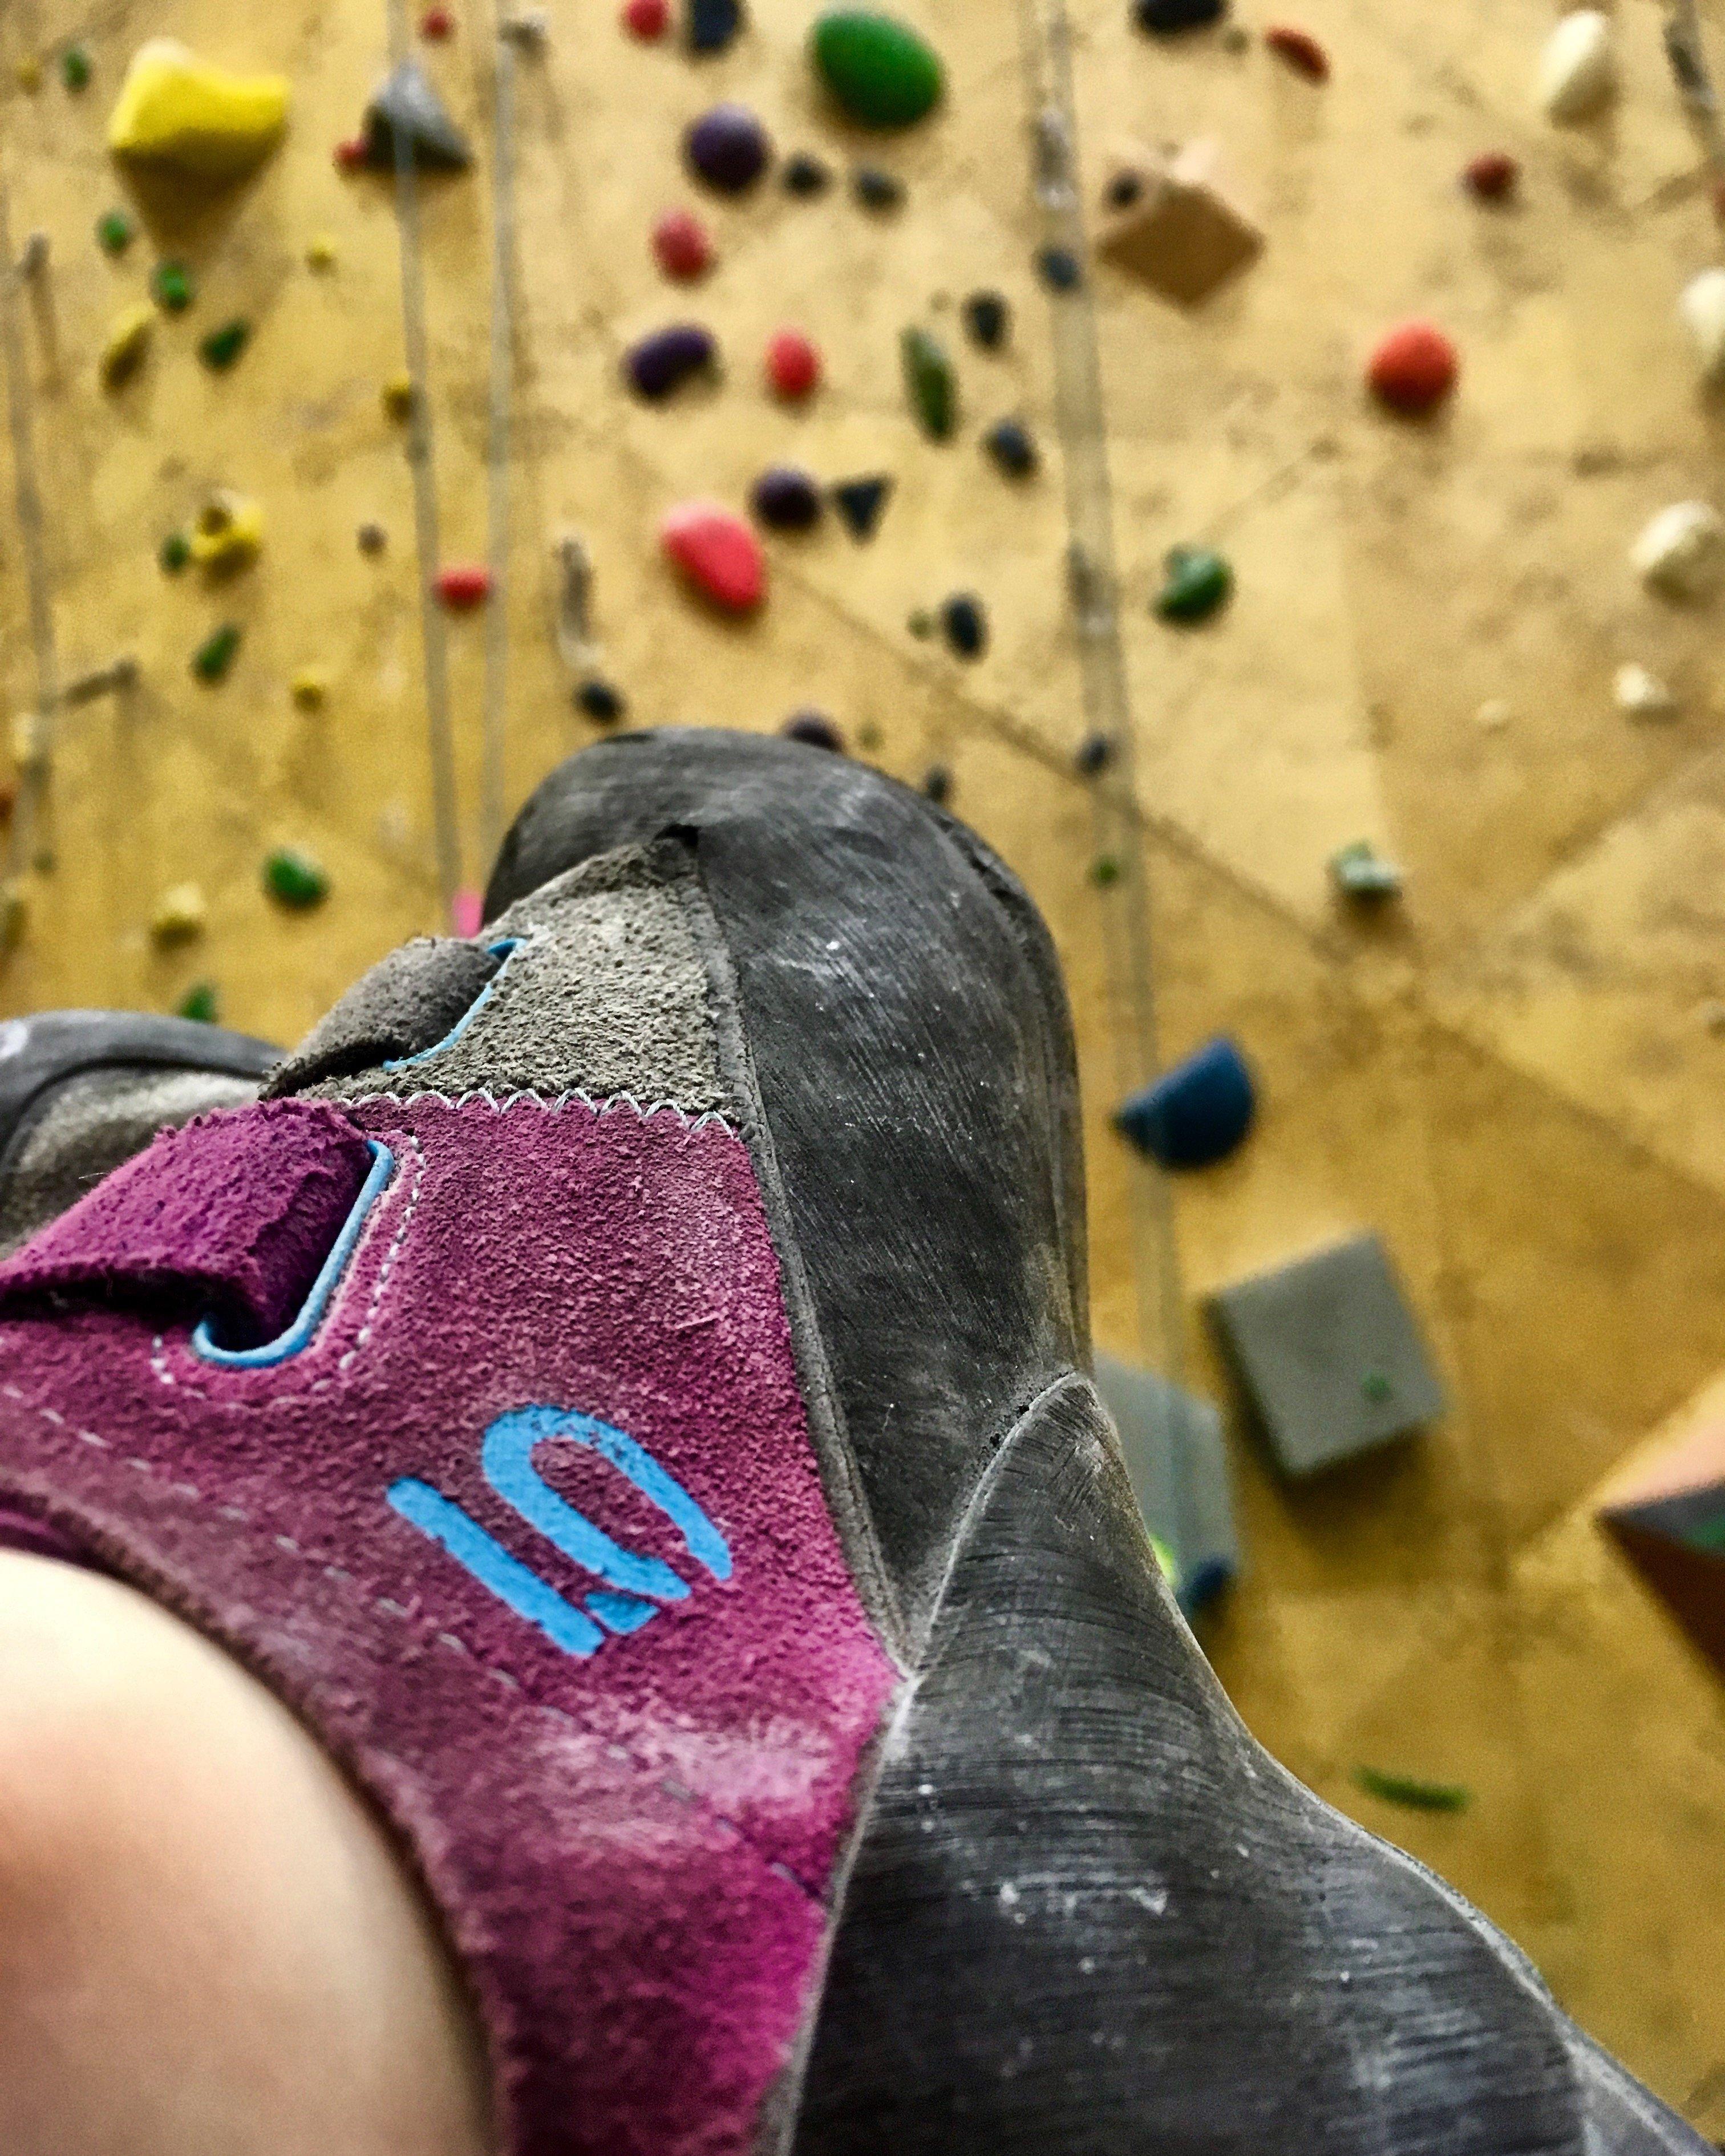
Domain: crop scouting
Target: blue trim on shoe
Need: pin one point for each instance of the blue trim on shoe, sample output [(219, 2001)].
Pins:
[(299, 1334), (499, 950)]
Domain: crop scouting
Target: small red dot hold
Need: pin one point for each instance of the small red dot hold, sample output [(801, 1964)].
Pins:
[(437, 23), (1300, 49), (647, 19), (793, 364), (1414, 368), (352, 153), (463, 585), (682, 246), (1491, 175)]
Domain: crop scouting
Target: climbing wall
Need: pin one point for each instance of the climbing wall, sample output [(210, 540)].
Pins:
[(1515, 1073)]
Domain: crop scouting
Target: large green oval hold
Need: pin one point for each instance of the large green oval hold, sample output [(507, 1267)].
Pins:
[(880, 70)]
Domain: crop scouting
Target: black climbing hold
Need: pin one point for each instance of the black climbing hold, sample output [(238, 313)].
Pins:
[(408, 105), (786, 498), (1123, 190), (804, 175), (1095, 752), (937, 784), (710, 25), (875, 189), (728, 148), (1060, 269), (860, 502), (1167, 18), (816, 729), (658, 363), (965, 625), (600, 701), (986, 319), (1008, 442)]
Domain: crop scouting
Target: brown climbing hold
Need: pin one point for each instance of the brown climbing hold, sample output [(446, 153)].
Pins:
[(1170, 221), (1300, 49)]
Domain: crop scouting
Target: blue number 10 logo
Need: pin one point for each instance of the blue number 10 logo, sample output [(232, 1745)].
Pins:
[(635, 1587)]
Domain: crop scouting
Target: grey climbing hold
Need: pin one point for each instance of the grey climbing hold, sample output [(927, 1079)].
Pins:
[(1172, 1445), (407, 106), (1360, 872), (875, 189), (1329, 1355), (804, 175), (1095, 752), (860, 502)]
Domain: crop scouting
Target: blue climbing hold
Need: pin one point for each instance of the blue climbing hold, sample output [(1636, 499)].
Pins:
[(1196, 1113)]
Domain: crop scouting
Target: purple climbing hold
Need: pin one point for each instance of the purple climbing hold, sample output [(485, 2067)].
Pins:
[(1196, 1113), (728, 148), (786, 498), (658, 363)]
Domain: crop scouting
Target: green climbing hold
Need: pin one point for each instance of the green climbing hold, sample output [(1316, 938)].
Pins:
[(174, 552), (173, 286), (1199, 582), (295, 880), (1408, 1789), (199, 1003), (930, 384), (114, 231), (75, 69), (1105, 870), (222, 346), (880, 70), (215, 655), (1375, 1387), (1360, 871)]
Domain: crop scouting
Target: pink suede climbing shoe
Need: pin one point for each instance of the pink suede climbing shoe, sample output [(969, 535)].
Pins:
[(625, 1387)]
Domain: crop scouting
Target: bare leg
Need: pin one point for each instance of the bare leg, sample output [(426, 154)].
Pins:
[(208, 1945)]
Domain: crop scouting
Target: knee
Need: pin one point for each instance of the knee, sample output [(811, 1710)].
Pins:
[(206, 1942)]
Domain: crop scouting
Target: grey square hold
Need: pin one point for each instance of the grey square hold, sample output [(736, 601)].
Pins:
[(1329, 1355), (1171, 1442)]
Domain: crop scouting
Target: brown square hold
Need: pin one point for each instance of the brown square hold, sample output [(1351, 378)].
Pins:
[(1168, 219)]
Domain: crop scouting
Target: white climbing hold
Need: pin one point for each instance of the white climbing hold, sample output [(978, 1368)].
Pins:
[(1578, 69), (1681, 551), (1702, 308), (1642, 694)]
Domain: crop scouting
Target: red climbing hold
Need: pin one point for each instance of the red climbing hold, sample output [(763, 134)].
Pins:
[(647, 19), (682, 244), (1491, 175), (351, 153), (718, 554), (464, 584), (793, 364), (437, 23), (1300, 49), (1414, 368)]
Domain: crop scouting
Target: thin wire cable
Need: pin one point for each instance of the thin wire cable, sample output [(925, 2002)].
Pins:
[(421, 460), (491, 795), (32, 802)]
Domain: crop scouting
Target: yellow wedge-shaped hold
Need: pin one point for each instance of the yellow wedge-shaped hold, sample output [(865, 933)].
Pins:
[(177, 109)]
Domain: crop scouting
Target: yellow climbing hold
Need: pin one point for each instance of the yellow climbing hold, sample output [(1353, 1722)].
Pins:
[(14, 913), (127, 341), (27, 73), (309, 687), (180, 914), (178, 109), (321, 252), (398, 396), (29, 743), (228, 534)]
